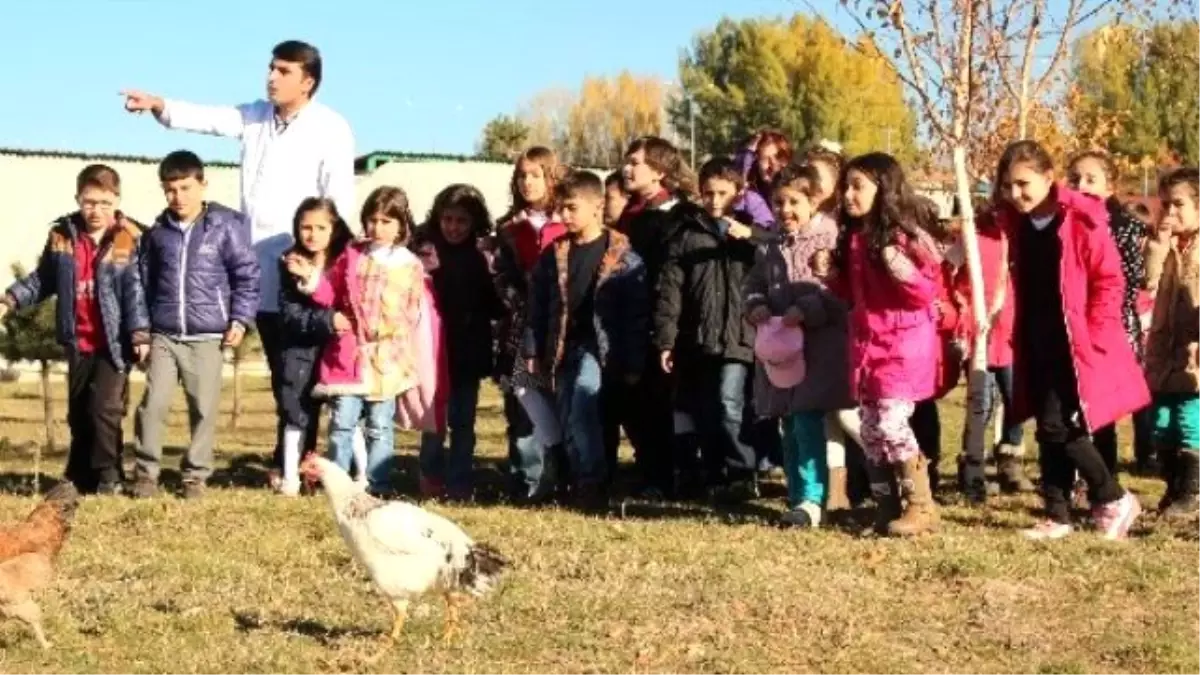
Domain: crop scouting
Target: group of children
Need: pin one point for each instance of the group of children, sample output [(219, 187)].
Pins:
[(778, 309)]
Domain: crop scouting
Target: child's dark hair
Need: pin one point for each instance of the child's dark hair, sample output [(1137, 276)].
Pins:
[(460, 196), (339, 237), (1106, 161), (1188, 175), (615, 178), (1020, 152), (579, 183), (100, 177), (802, 178), (179, 165), (722, 168), (551, 169), (667, 160), (391, 202), (893, 213)]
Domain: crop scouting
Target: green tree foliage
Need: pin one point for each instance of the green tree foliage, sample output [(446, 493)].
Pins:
[(29, 336), (1145, 85), (503, 138), (799, 75)]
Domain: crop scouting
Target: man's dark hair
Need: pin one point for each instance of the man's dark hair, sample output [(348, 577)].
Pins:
[(179, 165), (309, 58), (580, 183)]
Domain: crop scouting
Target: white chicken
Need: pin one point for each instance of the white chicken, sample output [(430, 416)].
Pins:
[(407, 550)]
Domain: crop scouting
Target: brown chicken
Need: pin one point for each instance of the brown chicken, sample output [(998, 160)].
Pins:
[(28, 551)]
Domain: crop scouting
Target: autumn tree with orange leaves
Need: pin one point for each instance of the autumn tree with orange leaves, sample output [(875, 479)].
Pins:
[(590, 126), (610, 113)]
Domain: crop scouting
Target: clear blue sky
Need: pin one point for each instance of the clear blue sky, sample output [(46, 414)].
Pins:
[(412, 75)]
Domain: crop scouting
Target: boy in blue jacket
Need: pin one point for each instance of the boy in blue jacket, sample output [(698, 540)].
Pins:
[(90, 263), (201, 279), (589, 316)]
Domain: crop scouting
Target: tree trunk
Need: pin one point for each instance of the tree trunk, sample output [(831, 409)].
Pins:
[(1027, 59), (48, 420), (236, 417), (977, 376)]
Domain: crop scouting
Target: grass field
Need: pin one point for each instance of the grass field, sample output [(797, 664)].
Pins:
[(245, 581)]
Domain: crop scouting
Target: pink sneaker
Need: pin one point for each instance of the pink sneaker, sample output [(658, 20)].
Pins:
[(1114, 518), (1047, 530)]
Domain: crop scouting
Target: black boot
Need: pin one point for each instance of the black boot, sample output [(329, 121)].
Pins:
[(972, 481), (1168, 467), (1010, 471), (1187, 486)]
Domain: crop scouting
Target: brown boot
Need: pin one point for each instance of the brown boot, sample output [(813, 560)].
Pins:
[(1010, 471), (837, 499), (920, 512), (886, 497)]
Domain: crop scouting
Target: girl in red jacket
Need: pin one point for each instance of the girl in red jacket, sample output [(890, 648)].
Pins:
[(534, 436), (1074, 369)]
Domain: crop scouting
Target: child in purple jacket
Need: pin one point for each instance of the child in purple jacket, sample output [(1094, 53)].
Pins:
[(201, 277)]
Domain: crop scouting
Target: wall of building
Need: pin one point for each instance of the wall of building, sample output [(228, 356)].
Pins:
[(40, 187)]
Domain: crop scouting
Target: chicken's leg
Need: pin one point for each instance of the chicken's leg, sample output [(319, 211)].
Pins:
[(400, 607), (28, 611), (453, 602)]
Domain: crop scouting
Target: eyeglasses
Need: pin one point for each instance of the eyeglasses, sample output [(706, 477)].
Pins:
[(96, 205)]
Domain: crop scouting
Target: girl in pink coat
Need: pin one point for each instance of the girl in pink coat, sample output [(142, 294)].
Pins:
[(1074, 370), (892, 280)]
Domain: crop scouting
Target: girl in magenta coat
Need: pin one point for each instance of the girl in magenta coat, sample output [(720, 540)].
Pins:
[(892, 272), (1074, 370)]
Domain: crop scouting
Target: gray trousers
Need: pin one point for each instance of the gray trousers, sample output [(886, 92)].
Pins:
[(198, 366)]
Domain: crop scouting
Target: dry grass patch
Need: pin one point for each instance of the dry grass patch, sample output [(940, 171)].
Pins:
[(245, 581)]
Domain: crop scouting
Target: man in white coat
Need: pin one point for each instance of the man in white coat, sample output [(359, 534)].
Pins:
[(292, 147)]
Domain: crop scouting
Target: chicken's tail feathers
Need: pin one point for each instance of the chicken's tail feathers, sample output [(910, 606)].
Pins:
[(484, 566)]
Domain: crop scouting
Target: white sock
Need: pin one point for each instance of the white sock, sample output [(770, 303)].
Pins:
[(360, 454), (292, 438), (851, 423), (835, 443)]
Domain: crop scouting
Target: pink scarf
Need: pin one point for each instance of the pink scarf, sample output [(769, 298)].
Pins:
[(424, 407)]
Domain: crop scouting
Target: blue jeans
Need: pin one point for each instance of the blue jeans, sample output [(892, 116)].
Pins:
[(455, 471), (1001, 382), (577, 388), (381, 454), (718, 416), (804, 458), (527, 457)]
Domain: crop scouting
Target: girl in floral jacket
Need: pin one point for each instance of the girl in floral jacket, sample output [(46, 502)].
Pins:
[(377, 288)]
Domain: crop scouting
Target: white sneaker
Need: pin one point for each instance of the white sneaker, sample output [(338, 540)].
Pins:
[(1114, 518), (804, 516), (289, 488), (1047, 530)]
